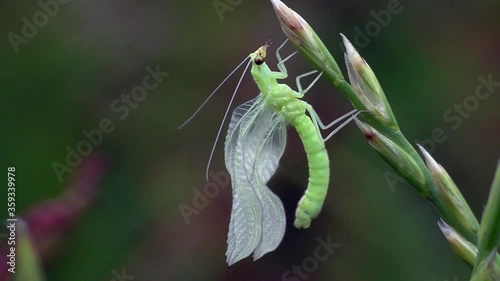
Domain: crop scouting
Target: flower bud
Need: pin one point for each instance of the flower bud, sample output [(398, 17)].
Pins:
[(452, 197), (393, 154), (484, 271), (366, 85), (306, 40), (463, 248)]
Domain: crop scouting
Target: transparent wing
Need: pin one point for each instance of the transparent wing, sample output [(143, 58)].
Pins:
[(255, 143), (243, 113), (246, 213), (267, 160)]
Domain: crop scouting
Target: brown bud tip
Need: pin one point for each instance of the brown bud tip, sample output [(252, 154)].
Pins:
[(292, 23)]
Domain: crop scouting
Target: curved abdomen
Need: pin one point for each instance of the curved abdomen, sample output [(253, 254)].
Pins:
[(319, 171)]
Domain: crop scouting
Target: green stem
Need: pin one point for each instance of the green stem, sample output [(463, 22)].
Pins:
[(392, 144), (430, 191)]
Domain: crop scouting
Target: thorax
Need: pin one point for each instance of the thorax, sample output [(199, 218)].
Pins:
[(280, 97)]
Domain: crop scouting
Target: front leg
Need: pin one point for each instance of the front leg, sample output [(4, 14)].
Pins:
[(278, 75), (281, 62)]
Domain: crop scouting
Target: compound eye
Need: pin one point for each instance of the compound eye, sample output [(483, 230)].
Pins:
[(259, 61)]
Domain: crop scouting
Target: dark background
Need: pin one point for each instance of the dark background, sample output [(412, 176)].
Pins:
[(66, 77)]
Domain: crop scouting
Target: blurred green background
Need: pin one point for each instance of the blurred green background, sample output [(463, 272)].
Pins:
[(67, 76)]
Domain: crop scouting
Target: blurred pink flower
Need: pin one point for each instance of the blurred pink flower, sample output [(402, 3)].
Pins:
[(48, 222)]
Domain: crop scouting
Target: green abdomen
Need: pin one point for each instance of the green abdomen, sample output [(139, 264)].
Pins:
[(319, 172)]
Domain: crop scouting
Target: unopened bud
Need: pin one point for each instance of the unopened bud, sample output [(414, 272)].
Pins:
[(306, 40), (393, 154), (366, 85), (463, 248), (450, 194)]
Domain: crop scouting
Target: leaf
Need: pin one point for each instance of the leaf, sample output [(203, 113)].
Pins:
[(489, 233)]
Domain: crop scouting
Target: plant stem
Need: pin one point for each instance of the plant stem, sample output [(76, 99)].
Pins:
[(430, 191)]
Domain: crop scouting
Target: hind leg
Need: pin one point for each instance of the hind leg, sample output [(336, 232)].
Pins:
[(320, 125)]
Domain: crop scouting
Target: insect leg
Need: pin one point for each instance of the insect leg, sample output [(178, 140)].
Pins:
[(281, 62), (319, 124), (299, 86), (315, 118), (342, 125)]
